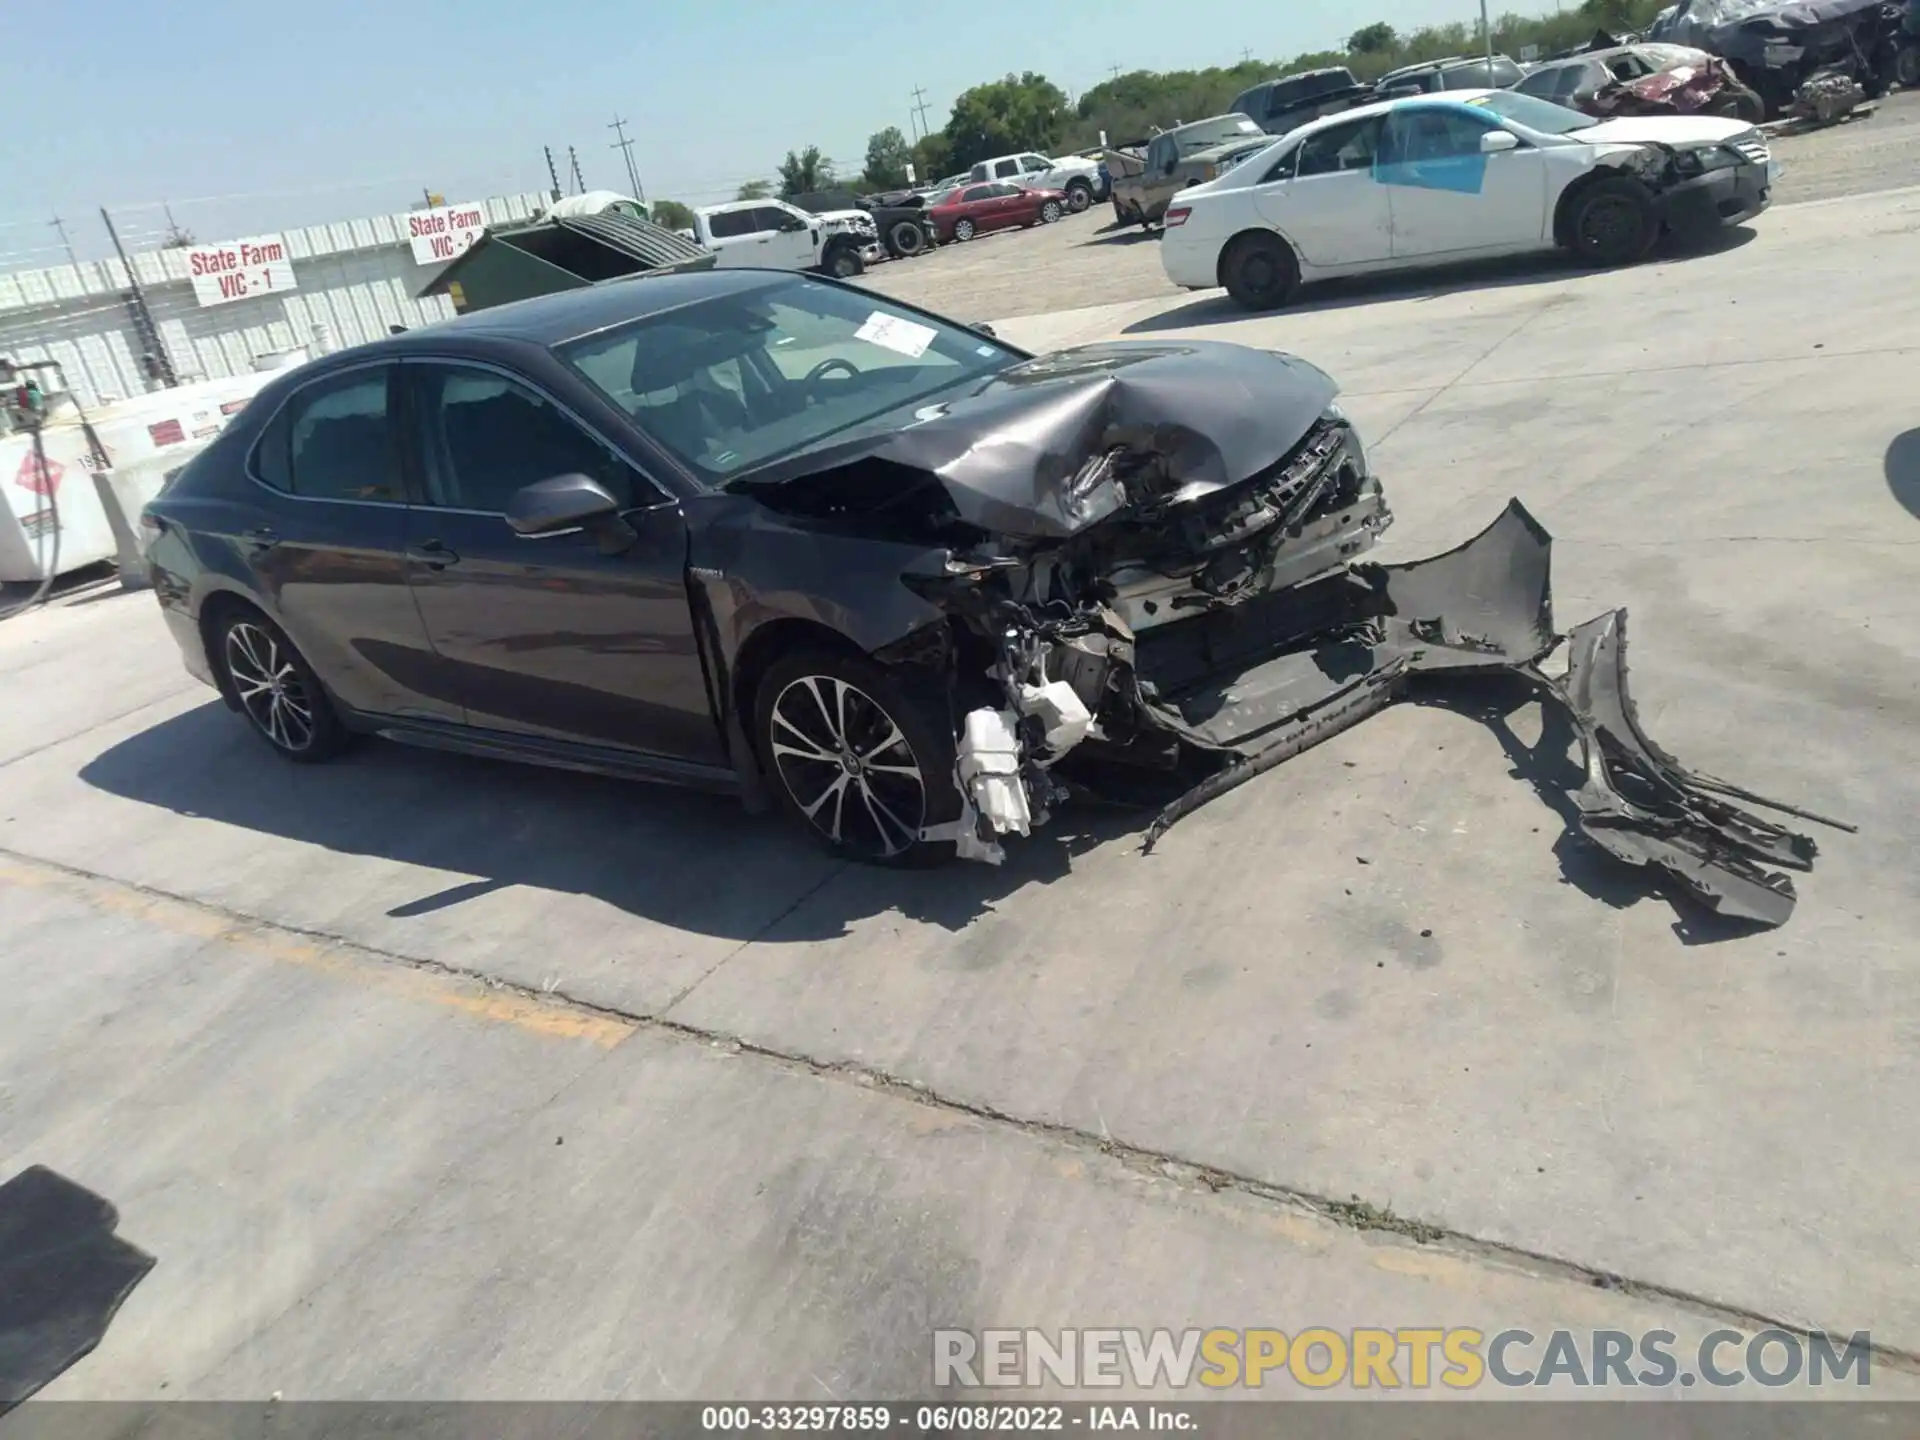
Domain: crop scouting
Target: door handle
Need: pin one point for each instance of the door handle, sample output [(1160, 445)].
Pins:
[(432, 554), (261, 537)]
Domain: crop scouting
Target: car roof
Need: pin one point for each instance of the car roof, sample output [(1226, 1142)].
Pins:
[(569, 314), (1381, 107)]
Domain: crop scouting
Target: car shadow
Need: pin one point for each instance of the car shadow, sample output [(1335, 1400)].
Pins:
[(1903, 471), (1546, 268), (1132, 234), (1552, 766), (693, 861)]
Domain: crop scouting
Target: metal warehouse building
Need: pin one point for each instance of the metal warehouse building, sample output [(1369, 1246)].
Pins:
[(331, 286)]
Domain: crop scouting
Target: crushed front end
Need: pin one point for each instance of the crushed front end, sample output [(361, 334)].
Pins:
[(1157, 557)]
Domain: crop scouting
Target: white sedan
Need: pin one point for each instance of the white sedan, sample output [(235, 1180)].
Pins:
[(1428, 180)]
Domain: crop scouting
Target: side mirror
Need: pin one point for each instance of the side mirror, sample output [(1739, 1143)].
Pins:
[(792, 223), (1494, 142), (565, 502)]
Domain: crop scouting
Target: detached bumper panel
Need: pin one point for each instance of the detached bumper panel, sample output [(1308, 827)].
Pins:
[(1486, 608)]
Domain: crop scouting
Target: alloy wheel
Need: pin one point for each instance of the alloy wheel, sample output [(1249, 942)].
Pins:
[(848, 766), (270, 687), (1050, 211), (963, 231)]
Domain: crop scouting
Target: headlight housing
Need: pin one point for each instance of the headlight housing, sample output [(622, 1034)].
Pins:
[(1707, 159)]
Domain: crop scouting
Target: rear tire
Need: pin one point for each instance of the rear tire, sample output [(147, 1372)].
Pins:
[(906, 239), (1747, 105), (857, 756), (283, 700), (1612, 223), (1079, 195), (1261, 272)]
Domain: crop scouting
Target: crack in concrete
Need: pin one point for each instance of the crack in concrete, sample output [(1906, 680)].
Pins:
[(1352, 1213)]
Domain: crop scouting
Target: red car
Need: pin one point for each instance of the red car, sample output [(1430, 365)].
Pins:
[(969, 210)]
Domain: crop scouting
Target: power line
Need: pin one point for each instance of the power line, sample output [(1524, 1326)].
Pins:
[(625, 147)]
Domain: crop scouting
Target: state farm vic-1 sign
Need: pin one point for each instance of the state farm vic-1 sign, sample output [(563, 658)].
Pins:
[(446, 231), (240, 269)]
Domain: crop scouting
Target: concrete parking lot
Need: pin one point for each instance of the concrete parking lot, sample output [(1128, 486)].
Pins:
[(428, 1077), (1089, 260)]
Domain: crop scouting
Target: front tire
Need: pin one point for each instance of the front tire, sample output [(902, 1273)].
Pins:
[(1079, 195), (1051, 212), (963, 230), (1260, 272), (277, 690), (1612, 223), (843, 262), (857, 756)]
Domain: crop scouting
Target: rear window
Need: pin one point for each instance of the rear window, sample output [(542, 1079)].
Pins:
[(1215, 132)]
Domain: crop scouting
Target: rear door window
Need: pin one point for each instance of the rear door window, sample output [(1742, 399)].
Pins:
[(727, 224), (333, 441), (1339, 148)]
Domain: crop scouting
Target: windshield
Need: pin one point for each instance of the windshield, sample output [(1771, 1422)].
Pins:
[(1541, 115), (741, 380), (1215, 132)]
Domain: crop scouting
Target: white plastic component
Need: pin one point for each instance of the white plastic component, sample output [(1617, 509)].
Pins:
[(1061, 711), (989, 770)]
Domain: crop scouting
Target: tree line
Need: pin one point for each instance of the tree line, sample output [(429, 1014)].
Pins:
[(1029, 112)]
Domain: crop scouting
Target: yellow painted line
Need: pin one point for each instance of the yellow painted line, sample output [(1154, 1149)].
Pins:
[(341, 961)]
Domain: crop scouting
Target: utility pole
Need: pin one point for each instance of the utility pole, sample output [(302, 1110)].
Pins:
[(625, 147), (552, 174), (60, 229), (142, 313), (1246, 56), (579, 185), (920, 109), (1487, 31), (1113, 72)]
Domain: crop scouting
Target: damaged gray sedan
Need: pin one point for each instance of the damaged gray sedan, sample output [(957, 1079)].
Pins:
[(776, 535)]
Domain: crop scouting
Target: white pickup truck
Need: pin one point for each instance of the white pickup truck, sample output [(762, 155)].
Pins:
[(1075, 175), (774, 235)]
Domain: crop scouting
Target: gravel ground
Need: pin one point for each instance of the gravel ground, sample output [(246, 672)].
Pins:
[(1084, 260)]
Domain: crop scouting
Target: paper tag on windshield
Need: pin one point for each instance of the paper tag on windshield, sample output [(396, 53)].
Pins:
[(903, 337)]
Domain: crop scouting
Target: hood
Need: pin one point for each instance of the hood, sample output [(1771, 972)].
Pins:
[(855, 219), (1022, 455), (1684, 130)]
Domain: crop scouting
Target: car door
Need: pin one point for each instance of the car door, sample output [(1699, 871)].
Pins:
[(326, 547), (554, 638), (792, 236), (1012, 205), (1449, 196), (1157, 182), (977, 205), (734, 240), (1324, 198)]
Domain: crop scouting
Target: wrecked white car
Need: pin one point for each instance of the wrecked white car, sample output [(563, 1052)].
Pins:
[(1432, 180)]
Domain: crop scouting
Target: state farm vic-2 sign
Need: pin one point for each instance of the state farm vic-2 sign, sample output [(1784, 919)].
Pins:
[(444, 232), (240, 269)]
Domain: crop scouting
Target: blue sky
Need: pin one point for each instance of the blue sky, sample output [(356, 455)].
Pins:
[(295, 114)]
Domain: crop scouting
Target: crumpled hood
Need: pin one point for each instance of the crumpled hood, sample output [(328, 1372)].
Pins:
[(1680, 130), (1008, 453)]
